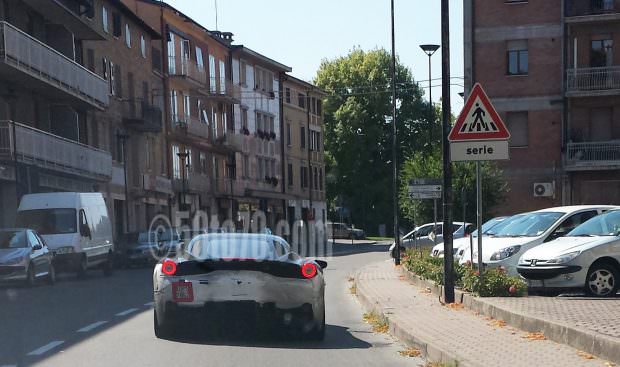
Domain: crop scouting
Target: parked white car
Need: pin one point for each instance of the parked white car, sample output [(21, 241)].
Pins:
[(459, 244), (422, 236), (529, 230), (586, 258)]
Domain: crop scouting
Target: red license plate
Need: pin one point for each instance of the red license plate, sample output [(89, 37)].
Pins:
[(182, 292)]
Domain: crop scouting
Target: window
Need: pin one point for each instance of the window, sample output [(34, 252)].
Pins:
[(142, 46), (288, 134), (116, 24), (601, 53), (301, 100), (186, 108), (90, 59), (127, 36), (246, 166), (199, 60), (321, 179), (517, 125), (302, 137), (104, 17), (202, 163), (304, 177), (259, 122), (112, 79), (118, 85), (319, 107), (243, 73), (222, 77), (313, 105), (287, 94), (171, 55), (290, 174), (174, 106), (156, 59), (517, 57), (315, 178), (244, 118), (212, 85)]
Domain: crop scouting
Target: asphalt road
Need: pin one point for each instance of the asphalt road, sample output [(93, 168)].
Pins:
[(109, 322)]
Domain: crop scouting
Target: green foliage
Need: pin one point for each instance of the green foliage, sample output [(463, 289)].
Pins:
[(494, 187), (496, 283), (358, 139)]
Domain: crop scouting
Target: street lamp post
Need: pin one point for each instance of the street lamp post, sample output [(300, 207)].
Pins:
[(430, 49), (394, 141)]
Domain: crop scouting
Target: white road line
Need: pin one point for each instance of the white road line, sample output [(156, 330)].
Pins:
[(127, 312), (150, 304), (92, 326), (46, 348)]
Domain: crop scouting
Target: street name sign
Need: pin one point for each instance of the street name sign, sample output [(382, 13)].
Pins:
[(425, 188), (479, 133)]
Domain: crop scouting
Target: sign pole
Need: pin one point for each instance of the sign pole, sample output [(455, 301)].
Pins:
[(435, 225), (479, 217)]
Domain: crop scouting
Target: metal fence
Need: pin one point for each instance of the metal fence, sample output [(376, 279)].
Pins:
[(593, 152), (34, 57), (589, 79), (53, 152)]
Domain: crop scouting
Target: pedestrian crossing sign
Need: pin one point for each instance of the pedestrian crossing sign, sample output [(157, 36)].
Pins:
[(478, 120)]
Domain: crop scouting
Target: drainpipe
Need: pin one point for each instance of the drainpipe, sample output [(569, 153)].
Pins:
[(164, 52)]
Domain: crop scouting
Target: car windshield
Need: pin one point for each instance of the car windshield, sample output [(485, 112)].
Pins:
[(13, 239), (48, 221), (492, 226), (529, 225), (607, 224), (255, 247)]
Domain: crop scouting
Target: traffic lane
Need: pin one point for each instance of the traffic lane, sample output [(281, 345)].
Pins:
[(348, 341), (34, 317)]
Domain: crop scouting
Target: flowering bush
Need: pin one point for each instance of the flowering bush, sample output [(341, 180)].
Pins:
[(496, 283)]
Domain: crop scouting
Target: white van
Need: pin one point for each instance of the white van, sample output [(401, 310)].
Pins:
[(75, 226)]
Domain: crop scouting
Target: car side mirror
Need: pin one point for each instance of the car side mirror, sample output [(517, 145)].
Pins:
[(84, 230), (37, 247), (322, 263)]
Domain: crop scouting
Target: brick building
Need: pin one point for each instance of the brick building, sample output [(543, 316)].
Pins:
[(548, 67)]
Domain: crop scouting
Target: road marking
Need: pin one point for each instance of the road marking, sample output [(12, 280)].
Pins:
[(46, 348), (127, 312), (150, 304), (92, 326)]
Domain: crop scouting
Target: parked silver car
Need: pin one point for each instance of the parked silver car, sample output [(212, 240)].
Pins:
[(24, 257)]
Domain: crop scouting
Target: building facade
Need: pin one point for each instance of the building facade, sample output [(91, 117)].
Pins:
[(303, 141), (46, 95), (549, 69)]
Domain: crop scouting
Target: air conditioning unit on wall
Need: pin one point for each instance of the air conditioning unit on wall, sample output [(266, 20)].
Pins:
[(543, 189)]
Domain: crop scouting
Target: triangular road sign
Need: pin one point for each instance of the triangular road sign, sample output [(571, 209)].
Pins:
[(478, 120)]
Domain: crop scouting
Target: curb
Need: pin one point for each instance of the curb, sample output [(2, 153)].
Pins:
[(596, 344), (428, 349)]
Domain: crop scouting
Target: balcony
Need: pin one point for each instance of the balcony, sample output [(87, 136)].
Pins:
[(588, 11), (226, 92), (224, 187), (142, 117), (318, 195), (600, 81), (187, 69), (31, 63), (316, 156), (600, 155), (53, 152), (195, 182), (73, 14)]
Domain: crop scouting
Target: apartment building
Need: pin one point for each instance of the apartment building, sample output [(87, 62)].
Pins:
[(258, 135), (130, 60), (549, 69), (46, 95), (199, 124), (303, 137)]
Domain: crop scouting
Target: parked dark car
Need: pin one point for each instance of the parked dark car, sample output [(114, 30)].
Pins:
[(25, 257)]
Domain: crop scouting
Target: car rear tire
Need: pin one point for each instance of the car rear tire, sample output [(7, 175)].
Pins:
[(602, 280), (318, 332), (30, 276), (51, 274), (164, 329)]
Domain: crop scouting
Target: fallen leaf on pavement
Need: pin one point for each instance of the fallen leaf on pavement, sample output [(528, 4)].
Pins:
[(410, 352), (585, 355), (455, 306), (498, 323), (535, 336)]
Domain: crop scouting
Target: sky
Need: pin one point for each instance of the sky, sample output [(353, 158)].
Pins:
[(302, 34)]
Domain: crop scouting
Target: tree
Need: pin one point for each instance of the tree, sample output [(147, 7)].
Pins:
[(358, 132), (494, 188)]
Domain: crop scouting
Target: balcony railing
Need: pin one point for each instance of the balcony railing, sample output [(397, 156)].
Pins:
[(187, 68), (195, 182), (224, 186), (142, 116), (575, 8), (53, 152), (593, 154), (33, 57), (593, 79), (224, 89)]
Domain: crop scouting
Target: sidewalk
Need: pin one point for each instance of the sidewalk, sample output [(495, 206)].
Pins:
[(452, 335)]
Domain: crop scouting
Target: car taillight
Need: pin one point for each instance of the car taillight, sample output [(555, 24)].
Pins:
[(182, 292), (308, 270), (169, 267)]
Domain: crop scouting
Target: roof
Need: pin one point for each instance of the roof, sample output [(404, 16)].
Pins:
[(139, 21), (309, 86), (574, 208), (262, 58)]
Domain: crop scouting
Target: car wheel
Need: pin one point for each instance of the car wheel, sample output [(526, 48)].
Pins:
[(318, 332), (51, 274), (30, 276), (108, 266), (602, 280), (82, 268), (163, 329)]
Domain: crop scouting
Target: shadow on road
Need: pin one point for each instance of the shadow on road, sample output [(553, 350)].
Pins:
[(336, 337), (344, 250)]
